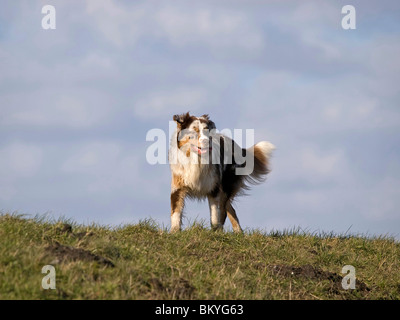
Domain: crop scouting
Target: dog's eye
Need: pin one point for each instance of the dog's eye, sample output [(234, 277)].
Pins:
[(192, 135)]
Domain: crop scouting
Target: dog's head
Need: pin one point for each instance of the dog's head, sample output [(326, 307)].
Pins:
[(194, 133)]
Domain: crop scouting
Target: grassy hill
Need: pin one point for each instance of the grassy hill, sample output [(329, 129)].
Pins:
[(143, 261)]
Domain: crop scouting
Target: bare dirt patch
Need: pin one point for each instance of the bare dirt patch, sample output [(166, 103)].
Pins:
[(312, 273), (67, 253)]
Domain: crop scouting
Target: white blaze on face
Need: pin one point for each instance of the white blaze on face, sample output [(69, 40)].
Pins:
[(199, 130), (203, 138)]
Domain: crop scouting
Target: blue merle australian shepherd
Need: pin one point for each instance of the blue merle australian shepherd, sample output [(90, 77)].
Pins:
[(208, 164)]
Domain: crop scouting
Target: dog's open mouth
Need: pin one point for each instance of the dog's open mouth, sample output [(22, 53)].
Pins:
[(200, 150)]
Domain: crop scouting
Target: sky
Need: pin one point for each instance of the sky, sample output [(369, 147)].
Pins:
[(77, 102)]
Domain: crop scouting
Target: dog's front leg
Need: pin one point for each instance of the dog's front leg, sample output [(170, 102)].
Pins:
[(215, 212), (177, 204)]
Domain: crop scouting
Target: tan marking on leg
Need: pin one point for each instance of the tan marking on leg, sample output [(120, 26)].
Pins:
[(233, 217)]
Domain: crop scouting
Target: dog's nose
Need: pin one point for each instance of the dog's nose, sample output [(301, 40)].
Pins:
[(203, 141)]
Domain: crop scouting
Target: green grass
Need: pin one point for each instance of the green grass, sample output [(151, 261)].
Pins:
[(197, 263)]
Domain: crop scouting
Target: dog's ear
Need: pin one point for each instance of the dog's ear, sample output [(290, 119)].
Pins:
[(181, 118), (211, 123), (177, 118)]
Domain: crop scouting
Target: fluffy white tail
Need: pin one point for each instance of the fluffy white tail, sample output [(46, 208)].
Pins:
[(262, 152)]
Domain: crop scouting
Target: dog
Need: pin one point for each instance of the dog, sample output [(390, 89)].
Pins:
[(208, 164)]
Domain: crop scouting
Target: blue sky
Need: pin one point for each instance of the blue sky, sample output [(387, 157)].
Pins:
[(76, 104)]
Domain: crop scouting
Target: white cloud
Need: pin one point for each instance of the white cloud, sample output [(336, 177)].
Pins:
[(352, 109), (324, 165), (318, 106), (7, 192), (52, 109), (382, 200), (118, 25), (107, 167), (179, 25), (212, 28), (20, 160), (96, 60), (162, 103)]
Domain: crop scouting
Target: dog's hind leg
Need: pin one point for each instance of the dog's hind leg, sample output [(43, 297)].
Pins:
[(222, 217), (230, 211), (222, 206)]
